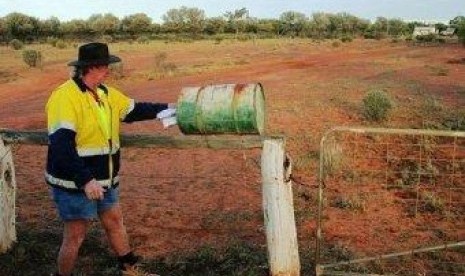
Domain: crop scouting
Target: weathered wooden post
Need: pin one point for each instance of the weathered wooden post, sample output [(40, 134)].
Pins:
[(283, 253), (7, 198)]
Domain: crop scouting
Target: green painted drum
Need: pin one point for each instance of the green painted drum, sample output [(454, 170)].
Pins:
[(222, 109)]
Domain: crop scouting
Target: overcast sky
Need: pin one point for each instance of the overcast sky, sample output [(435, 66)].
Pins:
[(408, 10)]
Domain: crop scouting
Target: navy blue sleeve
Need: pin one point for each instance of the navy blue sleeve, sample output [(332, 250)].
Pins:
[(144, 111), (63, 157)]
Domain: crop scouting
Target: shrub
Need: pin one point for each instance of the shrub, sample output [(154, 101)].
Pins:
[(218, 39), (461, 32), (107, 38), (143, 39), (376, 105), (33, 58), (16, 44), (346, 38), (52, 41), (426, 38), (60, 44), (336, 44)]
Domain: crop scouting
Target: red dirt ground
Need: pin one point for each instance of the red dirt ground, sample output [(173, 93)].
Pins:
[(180, 199)]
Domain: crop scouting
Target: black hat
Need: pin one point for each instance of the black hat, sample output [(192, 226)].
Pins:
[(94, 53)]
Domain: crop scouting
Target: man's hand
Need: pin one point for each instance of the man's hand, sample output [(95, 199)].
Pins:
[(93, 190)]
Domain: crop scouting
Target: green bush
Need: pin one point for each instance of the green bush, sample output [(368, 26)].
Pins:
[(461, 32), (426, 38), (143, 39), (52, 41), (107, 38), (336, 44), (60, 44), (376, 105), (346, 38), (16, 44), (33, 58)]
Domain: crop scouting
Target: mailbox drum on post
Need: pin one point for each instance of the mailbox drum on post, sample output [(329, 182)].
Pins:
[(222, 109)]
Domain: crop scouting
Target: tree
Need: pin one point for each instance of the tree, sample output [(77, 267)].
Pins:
[(136, 24), (50, 27), (380, 27), (3, 30), (459, 23), (320, 23), (336, 25), (292, 22), (215, 25), (397, 27), (267, 26), (236, 19), (348, 23), (195, 20), (76, 28), (185, 19), (461, 31), (104, 23), (21, 26), (454, 23)]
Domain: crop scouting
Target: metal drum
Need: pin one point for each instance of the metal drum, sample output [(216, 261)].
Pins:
[(222, 109)]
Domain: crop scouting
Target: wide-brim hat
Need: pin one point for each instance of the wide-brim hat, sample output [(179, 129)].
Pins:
[(94, 53)]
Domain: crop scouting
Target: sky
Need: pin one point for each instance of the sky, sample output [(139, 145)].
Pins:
[(407, 10)]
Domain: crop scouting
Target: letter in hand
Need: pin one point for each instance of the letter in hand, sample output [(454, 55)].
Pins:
[(93, 190), (168, 116)]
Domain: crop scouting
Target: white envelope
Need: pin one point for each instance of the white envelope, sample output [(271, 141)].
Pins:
[(166, 113)]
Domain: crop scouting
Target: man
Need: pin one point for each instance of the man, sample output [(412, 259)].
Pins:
[(83, 161)]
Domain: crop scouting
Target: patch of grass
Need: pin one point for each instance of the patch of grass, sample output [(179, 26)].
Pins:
[(438, 71), (332, 156), (7, 76), (36, 251), (354, 203), (431, 203), (454, 121), (238, 259), (304, 160)]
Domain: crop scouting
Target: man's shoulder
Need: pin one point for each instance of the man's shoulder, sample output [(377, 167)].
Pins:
[(65, 92), (68, 85)]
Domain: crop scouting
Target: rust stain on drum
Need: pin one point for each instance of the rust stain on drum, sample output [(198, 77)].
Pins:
[(239, 88)]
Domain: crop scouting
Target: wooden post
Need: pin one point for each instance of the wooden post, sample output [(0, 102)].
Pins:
[(7, 198), (281, 236)]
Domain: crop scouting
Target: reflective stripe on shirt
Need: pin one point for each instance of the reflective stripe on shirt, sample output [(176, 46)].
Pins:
[(68, 184), (97, 151)]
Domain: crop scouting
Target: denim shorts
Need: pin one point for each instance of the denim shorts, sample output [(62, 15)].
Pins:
[(75, 205)]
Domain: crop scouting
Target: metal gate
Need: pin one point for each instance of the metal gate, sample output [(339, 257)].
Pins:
[(391, 202)]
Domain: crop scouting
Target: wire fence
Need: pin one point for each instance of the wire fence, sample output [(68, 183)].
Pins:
[(392, 202), (174, 201)]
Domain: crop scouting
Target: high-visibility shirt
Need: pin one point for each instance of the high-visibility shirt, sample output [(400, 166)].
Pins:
[(84, 134)]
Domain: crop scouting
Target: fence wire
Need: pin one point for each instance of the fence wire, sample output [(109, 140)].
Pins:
[(173, 201), (392, 202)]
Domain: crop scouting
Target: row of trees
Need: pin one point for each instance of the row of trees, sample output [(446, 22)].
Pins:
[(193, 22)]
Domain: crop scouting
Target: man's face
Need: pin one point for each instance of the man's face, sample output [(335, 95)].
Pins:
[(99, 73)]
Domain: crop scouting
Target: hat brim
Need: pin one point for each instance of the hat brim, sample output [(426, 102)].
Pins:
[(111, 59)]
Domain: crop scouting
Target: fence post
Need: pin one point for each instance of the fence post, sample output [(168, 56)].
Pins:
[(7, 198), (281, 236)]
